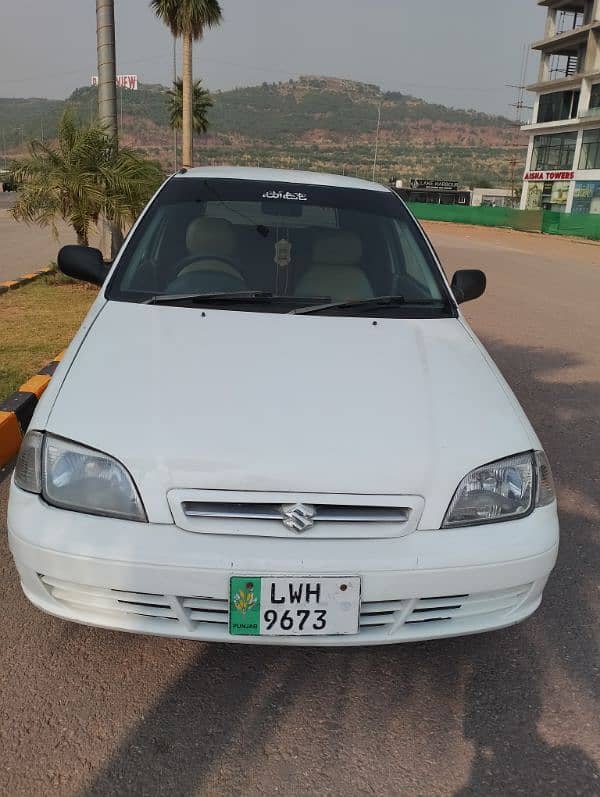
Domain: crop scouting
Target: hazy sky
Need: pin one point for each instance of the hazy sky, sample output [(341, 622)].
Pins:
[(456, 52)]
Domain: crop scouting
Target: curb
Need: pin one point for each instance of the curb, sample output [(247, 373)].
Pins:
[(16, 411), (10, 285)]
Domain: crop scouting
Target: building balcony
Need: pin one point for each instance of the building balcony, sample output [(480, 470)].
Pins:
[(567, 82), (584, 120), (573, 6), (567, 43)]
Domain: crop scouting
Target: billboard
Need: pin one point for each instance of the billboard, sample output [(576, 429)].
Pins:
[(548, 195), (123, 81), (420, 184), (587, 197)]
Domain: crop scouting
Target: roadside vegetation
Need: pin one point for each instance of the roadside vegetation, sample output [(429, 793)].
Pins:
[(81, 179), (38, 322)]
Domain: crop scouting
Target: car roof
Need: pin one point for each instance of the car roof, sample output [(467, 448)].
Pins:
[(280, 176)]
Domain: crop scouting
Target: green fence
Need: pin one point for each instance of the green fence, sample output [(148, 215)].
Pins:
[(461, 214), (578, 225)]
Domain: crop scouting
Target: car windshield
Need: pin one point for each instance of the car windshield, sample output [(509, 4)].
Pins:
[(279, 248)]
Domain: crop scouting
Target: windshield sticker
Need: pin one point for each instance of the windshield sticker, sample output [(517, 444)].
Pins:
[(288, 195), (283, 253)]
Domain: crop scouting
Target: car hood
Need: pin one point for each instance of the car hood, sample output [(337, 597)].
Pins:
[(229, 400)]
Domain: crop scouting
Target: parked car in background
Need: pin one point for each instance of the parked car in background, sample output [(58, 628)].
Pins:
[(276, 426)]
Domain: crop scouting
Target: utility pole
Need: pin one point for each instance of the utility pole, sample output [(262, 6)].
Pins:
[(377, 141), (107, 86), (122, 89), (175, 137), (519, 106)]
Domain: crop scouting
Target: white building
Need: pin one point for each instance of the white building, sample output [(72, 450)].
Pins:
[(563, 159), (492, 197)]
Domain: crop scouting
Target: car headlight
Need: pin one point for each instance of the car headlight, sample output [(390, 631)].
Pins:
[(504, 490), (74, 477)]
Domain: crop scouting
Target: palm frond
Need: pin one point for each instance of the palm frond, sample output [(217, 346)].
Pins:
[(188, 17), (202, 102), (81, 179)]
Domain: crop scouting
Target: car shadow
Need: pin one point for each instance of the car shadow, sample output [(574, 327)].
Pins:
[(503, 706), (249, 720)]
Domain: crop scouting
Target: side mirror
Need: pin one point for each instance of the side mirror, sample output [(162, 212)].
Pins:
[(83, 263), (468, 284)]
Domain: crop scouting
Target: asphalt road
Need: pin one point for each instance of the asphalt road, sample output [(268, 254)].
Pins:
[(6, 199), (91, 712), (29, 247)]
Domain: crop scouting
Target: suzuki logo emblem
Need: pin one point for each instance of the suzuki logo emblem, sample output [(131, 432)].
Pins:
[(298, 517)]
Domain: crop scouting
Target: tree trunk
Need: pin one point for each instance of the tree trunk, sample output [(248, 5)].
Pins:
[(187, 101), (116, 239), (107, 86), (107, 66), (175, 142), (82, 235)]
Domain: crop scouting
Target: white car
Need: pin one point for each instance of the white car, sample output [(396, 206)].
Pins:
[(275, 426)]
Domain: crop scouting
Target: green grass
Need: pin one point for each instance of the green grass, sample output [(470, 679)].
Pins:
[(37, 322)]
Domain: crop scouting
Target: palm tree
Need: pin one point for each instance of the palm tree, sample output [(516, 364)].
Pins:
[(81, 179), (201, 102), (188, 19)]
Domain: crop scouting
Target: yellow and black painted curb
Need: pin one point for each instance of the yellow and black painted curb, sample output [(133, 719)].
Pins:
[(16, 411), (10, 285)]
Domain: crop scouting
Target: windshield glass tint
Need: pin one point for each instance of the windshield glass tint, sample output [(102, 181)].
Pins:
[(303, 242)]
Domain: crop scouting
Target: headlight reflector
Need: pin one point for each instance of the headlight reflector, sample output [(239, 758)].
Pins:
[(502, 490), (28, 469), (82, 479), (545, 483), (71, 476)]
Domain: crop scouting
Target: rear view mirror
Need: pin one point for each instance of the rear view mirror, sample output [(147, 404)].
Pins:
[(286, 209), (83, 263), (468, 284)]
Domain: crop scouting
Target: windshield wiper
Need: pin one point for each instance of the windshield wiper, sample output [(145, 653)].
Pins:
[(200, 298), (367, 304)]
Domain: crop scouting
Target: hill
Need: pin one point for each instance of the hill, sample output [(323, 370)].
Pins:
[(312, 122)]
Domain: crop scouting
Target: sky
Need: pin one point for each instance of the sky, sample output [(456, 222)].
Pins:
[(460, 53)]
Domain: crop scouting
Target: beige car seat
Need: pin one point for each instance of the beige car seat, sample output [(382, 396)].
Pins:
[(211, 238), (336, 269)]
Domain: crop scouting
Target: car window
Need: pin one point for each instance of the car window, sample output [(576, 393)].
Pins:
[(414, 258), (301, 242)]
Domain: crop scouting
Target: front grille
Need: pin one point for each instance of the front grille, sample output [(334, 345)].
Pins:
[(444, 609), (163, 609), (195, 615), (283, 515), (322, 512)]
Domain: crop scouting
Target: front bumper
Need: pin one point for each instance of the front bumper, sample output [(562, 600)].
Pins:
[(157, 579)]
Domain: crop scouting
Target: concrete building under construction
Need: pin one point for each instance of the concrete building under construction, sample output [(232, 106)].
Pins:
[(563, 159)]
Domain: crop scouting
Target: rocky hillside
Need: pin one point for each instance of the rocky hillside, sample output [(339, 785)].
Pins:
[(312, 122)]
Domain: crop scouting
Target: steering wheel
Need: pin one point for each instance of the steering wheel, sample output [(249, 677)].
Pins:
[(187, 261)]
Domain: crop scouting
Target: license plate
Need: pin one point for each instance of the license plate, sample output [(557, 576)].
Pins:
[(291, 606)]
